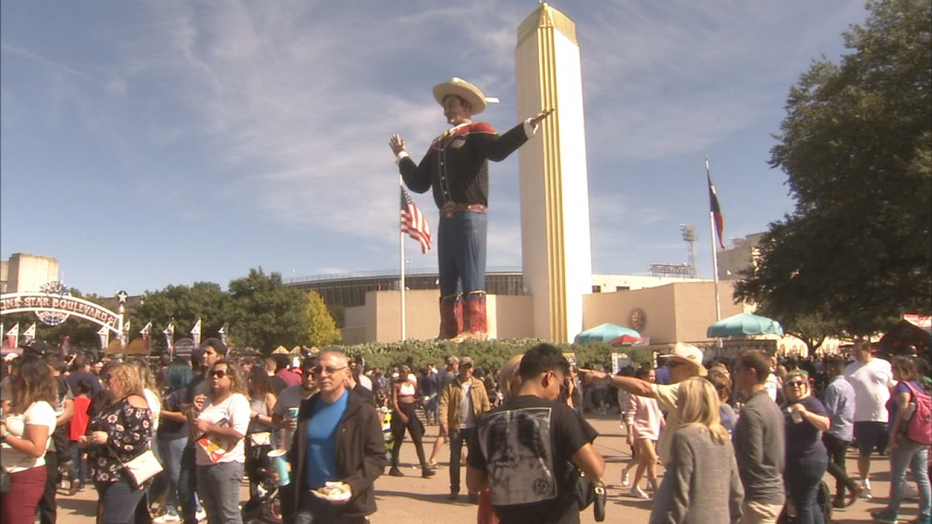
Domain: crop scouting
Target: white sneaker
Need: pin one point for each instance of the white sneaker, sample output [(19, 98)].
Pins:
[(201, 515), (866, 493), (166, 518), (638, 494), (624, 477)]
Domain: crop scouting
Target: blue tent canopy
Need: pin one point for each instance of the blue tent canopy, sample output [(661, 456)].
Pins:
[(744, 324), (604, 333)]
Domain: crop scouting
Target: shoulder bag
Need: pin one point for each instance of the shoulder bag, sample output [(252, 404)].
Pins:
[(6, 483), (143, 467)]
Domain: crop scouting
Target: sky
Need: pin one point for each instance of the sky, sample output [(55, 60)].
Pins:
[(161, 142)]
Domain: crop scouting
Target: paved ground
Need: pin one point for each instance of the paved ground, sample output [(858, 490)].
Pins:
[(413, 500)]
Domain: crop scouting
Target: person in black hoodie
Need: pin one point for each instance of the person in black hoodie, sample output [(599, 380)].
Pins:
[(339, 439)]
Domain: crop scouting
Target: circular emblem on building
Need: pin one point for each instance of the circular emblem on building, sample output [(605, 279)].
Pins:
[(637, 319)]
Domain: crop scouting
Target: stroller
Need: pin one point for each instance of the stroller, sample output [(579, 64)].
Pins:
[(265, 507), (824, 500)]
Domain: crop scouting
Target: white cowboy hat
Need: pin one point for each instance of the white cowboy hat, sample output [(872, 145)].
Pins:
[(689, 354), (463, 89)]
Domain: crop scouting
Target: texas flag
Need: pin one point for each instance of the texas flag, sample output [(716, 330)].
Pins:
[(716, 209)]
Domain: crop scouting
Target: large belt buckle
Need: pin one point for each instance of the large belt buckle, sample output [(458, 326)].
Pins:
[(448, 209)]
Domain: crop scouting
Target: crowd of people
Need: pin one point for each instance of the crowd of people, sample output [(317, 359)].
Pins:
[(739, 441)]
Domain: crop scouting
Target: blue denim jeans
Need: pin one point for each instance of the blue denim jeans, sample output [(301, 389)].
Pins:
[(78, 472), (218, 486), (461, 250), (119, 500), (914, 456), (802, 477), (171, 452)]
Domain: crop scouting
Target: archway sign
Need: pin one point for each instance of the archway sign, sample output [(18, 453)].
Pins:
[(62, 304)]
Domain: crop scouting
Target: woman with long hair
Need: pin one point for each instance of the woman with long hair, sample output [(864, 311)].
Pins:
[(172, 435), (806, 456), (644, 421), (905, 452), (26, 433), (404, 402), (259, 433), (220, 451), (120, 431), (703, 462)]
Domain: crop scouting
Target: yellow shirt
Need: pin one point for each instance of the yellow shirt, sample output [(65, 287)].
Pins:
[(666, 398)]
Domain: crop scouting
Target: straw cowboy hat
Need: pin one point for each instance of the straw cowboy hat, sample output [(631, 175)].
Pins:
[(688, 354), (463, 89)]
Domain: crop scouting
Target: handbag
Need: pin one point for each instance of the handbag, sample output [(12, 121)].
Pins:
[(6, 483), (143, 467), (589, 492), (598, 502)]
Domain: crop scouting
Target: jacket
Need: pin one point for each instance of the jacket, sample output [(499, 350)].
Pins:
[(457, 164), (452, 395), (359, 448)]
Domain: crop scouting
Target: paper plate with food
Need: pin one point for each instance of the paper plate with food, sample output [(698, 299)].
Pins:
[(334, 492)]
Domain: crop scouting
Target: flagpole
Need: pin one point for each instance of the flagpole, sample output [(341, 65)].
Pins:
[(718, 306), (401, 265)]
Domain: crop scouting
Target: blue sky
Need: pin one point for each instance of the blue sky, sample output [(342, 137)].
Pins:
[(163, 142)]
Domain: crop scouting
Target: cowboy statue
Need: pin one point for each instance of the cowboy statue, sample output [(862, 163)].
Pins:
[(457, 168)]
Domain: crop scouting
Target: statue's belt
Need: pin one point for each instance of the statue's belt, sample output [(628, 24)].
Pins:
[(449, 209)]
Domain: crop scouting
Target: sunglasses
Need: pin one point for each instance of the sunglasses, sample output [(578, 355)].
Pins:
[(326, 371), (796, 383), (219, 373)]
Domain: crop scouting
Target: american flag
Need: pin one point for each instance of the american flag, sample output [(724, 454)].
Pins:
[(413, 222)]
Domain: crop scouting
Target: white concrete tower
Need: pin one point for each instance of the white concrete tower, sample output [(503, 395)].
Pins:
[(556, 247)]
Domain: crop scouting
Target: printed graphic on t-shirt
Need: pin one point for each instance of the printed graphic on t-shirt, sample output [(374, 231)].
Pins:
[(516, 444), (216, 447)]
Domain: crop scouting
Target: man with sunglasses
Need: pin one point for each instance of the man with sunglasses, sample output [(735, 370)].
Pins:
[(528, 452), (338, 439), (206, 355)]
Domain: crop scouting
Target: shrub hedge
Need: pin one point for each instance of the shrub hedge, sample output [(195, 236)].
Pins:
[(488, 355)]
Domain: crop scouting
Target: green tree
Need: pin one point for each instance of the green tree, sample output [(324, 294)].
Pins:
[(264, 313), (856, 146), (322, 329), (183, 305)]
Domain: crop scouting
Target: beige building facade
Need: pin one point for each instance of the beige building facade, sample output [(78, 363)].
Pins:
[(679, 311), (25, 273)]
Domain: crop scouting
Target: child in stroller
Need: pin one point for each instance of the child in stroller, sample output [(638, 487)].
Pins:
[(265, 506)]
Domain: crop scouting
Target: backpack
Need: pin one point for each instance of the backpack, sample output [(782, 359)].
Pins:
[(919, 424)]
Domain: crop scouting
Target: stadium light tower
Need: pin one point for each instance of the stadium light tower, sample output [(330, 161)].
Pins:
[(689, 235)]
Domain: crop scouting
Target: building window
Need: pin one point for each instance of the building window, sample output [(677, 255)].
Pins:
[(596, 289), (622, 288)]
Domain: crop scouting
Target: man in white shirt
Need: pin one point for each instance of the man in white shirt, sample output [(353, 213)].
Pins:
[(462, 402), (871, 379)]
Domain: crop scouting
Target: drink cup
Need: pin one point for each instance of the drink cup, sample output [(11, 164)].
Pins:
[(280, 464), (293, 413)]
